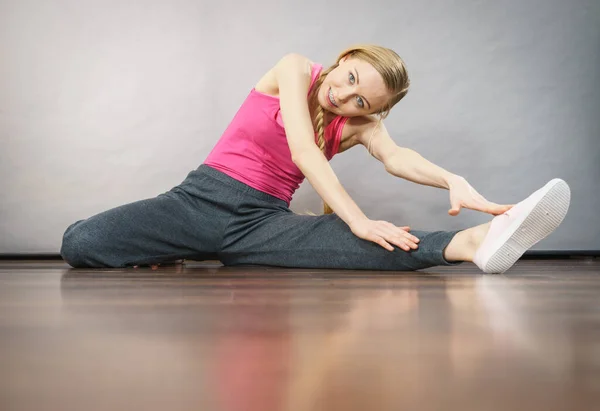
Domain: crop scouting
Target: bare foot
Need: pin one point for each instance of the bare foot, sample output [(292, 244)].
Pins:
[(464, 245)]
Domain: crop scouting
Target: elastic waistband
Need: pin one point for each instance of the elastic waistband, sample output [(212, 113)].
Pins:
[(238, 185)]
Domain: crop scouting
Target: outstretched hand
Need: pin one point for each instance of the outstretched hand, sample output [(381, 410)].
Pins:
[(463, 195)]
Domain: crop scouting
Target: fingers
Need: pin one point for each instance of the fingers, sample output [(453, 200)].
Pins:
[(491, 207), (479, 203), (385, 234), (383, 243), (504, 208), (406, 245), (471, 199), (455, 208), (454, 211), (397, 236), (497, 209), (391, 230)]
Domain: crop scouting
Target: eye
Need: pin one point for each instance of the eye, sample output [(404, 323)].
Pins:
[(359, 100)]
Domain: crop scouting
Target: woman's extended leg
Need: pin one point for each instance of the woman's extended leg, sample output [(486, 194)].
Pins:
[(285, 239), (289, 240)]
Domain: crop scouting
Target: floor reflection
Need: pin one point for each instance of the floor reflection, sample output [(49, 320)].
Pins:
[(256, 339)]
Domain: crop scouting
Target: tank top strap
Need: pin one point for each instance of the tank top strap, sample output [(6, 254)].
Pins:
[(315, 72), (334, 134)]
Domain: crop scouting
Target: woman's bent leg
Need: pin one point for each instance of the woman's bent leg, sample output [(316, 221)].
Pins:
[(289, 240), (169, 227)]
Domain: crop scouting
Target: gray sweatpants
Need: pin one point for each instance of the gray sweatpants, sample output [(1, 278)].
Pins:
[(211, 216)]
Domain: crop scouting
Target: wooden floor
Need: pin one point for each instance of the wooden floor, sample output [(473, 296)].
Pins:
[(205, 337)]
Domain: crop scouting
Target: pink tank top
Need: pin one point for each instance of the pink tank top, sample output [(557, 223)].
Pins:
[(254, 148)]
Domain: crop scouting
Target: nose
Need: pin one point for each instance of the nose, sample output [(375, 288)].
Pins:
[(344, 93)]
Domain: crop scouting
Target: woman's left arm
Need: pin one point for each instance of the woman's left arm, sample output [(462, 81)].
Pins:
[(408, 164)]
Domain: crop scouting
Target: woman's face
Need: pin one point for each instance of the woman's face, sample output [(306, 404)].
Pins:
[(354, 88)]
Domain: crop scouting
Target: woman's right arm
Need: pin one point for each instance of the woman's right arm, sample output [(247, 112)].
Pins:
[(293, 74)]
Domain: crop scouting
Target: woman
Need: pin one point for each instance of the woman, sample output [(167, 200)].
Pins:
[(235, 206)]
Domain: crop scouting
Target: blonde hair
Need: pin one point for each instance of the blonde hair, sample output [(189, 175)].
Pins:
[(387, 63)]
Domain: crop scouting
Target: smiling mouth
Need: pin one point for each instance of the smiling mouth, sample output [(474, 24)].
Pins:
[(331, 99)]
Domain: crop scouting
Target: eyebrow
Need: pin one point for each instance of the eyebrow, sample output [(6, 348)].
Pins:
[(358, 82)]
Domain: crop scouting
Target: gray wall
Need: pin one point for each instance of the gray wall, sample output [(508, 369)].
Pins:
[(108, 102)]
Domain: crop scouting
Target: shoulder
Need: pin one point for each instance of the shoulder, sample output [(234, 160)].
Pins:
[(291, 68), (294, 63), (355, 129), (358, 125), (370, 132)]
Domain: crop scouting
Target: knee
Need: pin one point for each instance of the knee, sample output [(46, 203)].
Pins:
[(76, 244)]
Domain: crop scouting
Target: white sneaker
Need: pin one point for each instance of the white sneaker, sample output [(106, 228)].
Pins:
[(523, 226)]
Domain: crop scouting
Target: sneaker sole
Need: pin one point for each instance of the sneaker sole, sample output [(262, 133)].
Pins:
[(543, 219)]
